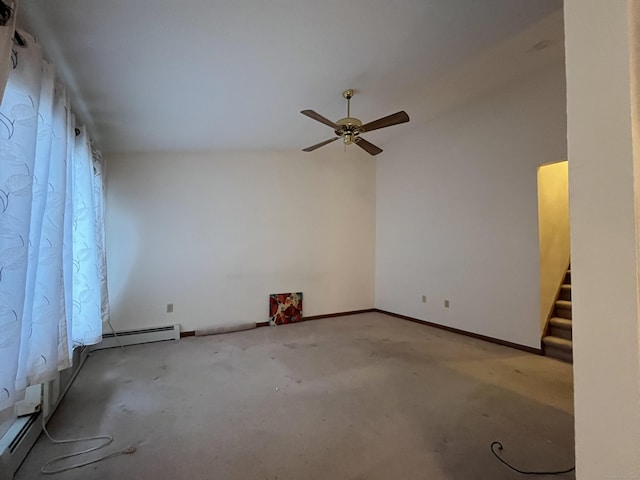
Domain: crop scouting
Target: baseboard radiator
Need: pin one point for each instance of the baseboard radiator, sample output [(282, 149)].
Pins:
[(18, 440), (134, 337)]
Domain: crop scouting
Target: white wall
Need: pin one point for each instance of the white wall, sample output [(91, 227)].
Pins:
[(215, 233), (457, 211), (603, 100), (553, 227)]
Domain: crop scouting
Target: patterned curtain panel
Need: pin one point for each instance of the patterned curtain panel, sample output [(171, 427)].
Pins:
[(101, 253), (87, 303), (7, 28), (50, 253)]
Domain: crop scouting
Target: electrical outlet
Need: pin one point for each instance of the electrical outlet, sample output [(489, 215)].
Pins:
[(424, 299), (446, 304), (169, 307)]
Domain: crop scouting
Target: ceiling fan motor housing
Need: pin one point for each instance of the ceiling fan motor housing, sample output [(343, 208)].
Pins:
[(349, 129)]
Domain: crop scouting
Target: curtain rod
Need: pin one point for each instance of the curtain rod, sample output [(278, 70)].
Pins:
[(6, 12)]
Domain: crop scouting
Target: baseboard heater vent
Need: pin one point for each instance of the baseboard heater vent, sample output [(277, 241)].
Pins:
[(135, 337), (19, 439), (23, 427)]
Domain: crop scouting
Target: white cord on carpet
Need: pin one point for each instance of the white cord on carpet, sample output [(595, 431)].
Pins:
[(108, 438)]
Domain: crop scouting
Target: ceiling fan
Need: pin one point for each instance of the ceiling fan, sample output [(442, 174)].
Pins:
[(349, 128)]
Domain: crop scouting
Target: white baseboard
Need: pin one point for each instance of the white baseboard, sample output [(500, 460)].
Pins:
[(134, 337)]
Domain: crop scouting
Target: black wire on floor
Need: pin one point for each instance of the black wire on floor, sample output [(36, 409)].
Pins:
[(523, 472)]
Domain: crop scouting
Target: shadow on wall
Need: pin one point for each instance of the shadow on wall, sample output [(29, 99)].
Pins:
[(120, 266)]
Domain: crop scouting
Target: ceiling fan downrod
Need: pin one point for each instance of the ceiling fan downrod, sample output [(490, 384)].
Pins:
[(348, 94), (348, 138), (350, 126)]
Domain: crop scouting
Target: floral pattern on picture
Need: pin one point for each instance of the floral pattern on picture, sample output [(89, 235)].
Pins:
[(285, 308)]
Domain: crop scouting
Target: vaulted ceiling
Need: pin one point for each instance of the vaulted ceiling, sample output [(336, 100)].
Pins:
[(234, 74)]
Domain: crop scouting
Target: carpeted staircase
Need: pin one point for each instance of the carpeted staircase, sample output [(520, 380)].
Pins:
[(557, 340)]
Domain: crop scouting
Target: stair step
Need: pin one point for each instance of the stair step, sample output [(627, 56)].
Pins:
[(560, 328), (561, 322), (563, 309), (557, 342), (565, 292), (558, 348)]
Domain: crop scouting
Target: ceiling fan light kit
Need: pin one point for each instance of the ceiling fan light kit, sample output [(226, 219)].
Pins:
[(350, 128)]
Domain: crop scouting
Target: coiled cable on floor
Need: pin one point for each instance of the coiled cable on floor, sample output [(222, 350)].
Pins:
[(108, 439), (523, 472)]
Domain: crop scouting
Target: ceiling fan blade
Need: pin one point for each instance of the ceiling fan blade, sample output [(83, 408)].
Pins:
[(395, 119), (318, 145), (320, 118), (368, 146)]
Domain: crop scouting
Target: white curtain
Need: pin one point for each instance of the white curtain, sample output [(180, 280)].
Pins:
[(50, 252), (87, 301), (101, 252), (7, 28)]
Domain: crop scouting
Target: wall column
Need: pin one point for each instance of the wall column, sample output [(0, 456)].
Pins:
[(604, 185)]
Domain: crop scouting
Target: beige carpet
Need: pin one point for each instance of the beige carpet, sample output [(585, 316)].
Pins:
[(360, 397)]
